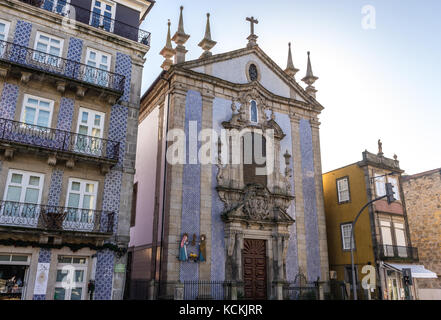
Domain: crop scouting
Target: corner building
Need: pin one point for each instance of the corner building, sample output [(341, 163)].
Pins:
[(70, 76)]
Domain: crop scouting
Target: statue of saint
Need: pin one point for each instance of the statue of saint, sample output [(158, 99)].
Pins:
[(183, 256), (380, 147)]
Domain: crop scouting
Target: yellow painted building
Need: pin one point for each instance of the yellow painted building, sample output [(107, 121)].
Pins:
[(381, 234)]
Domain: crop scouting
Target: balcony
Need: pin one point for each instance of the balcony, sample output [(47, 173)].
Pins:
[(61, 68), (53, 218), (391, 252), (64, 143), (94, 19)]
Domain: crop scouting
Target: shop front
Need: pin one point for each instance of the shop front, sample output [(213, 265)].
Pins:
[(396, 289), (14, 273)]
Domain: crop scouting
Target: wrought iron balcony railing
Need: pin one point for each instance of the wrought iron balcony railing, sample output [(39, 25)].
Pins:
[(31, 215), (398, 252), (58, 140), (95, 19), (60, 66)]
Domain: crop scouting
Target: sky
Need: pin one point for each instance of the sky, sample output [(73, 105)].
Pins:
[(377, 83)]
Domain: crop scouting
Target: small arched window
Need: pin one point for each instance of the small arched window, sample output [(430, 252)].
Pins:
[(253, 111)]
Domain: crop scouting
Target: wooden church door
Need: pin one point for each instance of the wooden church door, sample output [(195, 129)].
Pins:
[(254, 268)]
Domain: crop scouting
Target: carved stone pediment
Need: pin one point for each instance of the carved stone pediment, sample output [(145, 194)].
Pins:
[(255, 204)]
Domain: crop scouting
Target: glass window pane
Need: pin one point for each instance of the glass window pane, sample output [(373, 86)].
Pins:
[(13, 194), (60, 294), (19, 258), (29, 115), (75, 186), (84, 117), (2, 27), (33, 101), (62, 275), (41, 47), (92, 55), (44, 38), (5, 257), (16, 178), (34, 181), (45, 104), (63, 259), (96, 133), (31, 195), (83, 130), (43, 118), (76, 294), (79, 260), (97, 120), (74, 200), (90, 187), (88, 202), (79, 275)]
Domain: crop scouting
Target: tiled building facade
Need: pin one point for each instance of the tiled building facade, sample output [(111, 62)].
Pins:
[(70, 77), (226, 211)]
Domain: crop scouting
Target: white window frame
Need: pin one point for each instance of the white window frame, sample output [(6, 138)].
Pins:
[(25, 177), (340, 190), (6, 34), (65, 8), (89, 225), (257, 112), (10, 262), (37, 38), (92, 125), (71, 268), (95, 143), (394, 182), (91, 72), (344, 238), (7, 26), (113, 13), (37, 111), (380, 184)]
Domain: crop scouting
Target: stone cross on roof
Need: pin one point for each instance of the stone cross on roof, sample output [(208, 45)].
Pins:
[(252, 22), (252, 37)]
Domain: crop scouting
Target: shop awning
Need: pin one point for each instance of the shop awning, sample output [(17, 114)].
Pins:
[(418, 271)]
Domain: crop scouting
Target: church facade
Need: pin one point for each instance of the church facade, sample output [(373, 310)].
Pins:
[(233, 217)]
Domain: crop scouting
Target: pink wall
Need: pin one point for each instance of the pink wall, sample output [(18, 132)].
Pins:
[(146, 153)]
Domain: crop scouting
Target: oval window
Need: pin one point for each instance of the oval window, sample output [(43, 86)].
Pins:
[(252, 71)]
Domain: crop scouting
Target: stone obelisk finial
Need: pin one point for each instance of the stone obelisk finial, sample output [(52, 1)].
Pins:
[(309, 79), (167, 52), (252, 38), (207, 43), (180, 38), (290, 69)]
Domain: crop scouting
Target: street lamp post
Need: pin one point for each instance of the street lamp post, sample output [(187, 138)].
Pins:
[(390, 198)]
